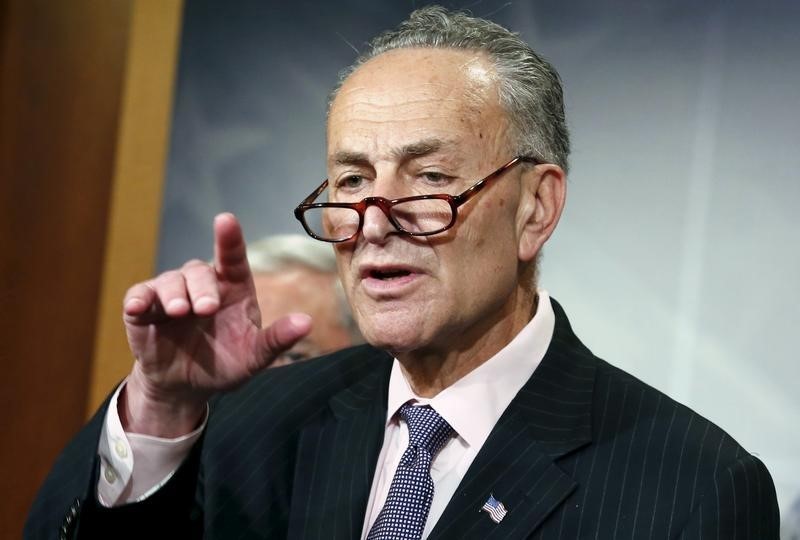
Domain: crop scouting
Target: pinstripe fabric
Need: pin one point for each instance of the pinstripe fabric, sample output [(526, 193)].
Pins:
[(583, 451)]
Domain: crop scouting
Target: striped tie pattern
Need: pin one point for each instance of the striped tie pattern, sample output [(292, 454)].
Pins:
[(405, 511)]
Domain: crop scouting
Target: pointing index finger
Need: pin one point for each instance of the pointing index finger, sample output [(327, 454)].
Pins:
[(230, 251)]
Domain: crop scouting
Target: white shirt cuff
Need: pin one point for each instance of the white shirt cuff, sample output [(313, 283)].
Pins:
[(156, 459)]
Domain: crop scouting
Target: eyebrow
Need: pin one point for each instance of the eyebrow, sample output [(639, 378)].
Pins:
[(345, 157), (416, 149), (421, 148)]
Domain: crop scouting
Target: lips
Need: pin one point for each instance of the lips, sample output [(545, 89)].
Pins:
[(390, 278), (386, 271), (388, 274)]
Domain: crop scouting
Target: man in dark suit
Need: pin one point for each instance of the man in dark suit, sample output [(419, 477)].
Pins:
[(474, 412)]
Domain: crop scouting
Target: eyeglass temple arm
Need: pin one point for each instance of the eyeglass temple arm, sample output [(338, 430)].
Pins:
[(466, 195), (316, 193)]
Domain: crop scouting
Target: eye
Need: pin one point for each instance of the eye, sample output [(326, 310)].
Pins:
[(436, 178), (351, 181)]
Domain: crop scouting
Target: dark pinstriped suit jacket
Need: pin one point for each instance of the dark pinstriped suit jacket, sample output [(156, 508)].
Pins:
[(583, 451)]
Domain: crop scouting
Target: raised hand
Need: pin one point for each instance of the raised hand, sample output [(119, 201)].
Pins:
[(194, 332)]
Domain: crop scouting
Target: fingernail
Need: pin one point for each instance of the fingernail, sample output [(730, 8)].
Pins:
[(299, 319), (177, 304), (205, 302)]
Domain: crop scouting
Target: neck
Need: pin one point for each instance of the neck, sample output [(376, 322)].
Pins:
[(432, 369)]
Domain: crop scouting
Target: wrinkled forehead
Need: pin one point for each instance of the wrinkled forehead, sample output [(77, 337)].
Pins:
[(404, 91)]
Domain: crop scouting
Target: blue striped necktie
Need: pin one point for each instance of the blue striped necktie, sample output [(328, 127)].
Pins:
[(405, 512)]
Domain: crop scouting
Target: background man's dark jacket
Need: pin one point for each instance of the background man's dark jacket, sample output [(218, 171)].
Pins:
[(583, 451)]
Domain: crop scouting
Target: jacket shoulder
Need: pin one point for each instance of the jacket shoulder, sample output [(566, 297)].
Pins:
[(297, 392), (665, 420)]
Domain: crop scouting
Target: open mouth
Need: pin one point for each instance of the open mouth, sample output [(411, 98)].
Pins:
[(385, 275)]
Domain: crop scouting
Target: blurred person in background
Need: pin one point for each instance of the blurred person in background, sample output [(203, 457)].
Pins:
[(294, 273)]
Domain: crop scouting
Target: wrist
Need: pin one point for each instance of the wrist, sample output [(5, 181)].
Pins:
[(146, 411)]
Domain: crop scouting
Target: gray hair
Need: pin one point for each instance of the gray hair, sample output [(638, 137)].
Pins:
[(529, 87), (279, 252)]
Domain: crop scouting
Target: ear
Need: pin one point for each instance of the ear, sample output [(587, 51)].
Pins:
[(544, 191)]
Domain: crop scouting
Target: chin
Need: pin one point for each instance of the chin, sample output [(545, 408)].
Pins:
[(393, 342), (393, 335)]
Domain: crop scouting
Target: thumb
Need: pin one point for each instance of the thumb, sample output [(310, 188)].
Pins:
[(282, 334)]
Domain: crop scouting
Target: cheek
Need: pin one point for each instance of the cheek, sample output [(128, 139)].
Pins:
[(491, 229), (486, 255), (344, 257)]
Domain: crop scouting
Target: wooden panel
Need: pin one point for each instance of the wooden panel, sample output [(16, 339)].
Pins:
[(62, 71), (64, 152), (132, 242)]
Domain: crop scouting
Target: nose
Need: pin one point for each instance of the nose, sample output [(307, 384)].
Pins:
[(377, 227)]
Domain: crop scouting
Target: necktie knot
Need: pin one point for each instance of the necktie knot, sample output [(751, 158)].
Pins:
[(427, 430)]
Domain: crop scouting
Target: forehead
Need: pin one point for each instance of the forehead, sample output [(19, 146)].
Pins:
[(406, 95)]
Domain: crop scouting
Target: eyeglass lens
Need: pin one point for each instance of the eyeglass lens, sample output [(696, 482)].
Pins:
[(416, 216)]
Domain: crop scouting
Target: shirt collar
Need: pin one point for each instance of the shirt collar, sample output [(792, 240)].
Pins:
[(474, 403)]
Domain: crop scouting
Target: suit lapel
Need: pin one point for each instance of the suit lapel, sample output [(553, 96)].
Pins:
[(338, 454), (549, 418)]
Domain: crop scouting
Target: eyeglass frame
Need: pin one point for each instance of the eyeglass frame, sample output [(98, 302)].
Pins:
[(386, 205)]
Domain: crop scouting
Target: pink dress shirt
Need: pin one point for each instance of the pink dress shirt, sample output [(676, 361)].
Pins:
[(472, 406)]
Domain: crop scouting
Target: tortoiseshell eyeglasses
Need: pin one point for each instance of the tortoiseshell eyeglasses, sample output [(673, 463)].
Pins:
[(420, 215)]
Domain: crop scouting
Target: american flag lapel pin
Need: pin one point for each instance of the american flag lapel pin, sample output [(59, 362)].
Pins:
[(496, 510)]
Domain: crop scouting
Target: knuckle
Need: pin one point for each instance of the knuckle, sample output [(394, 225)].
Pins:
[(170, 277), (199, 269), (195, 263), (139, 289)]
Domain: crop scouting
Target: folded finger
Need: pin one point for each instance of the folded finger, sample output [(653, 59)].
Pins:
[(170, 291), (202, 287), (138, 300)]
